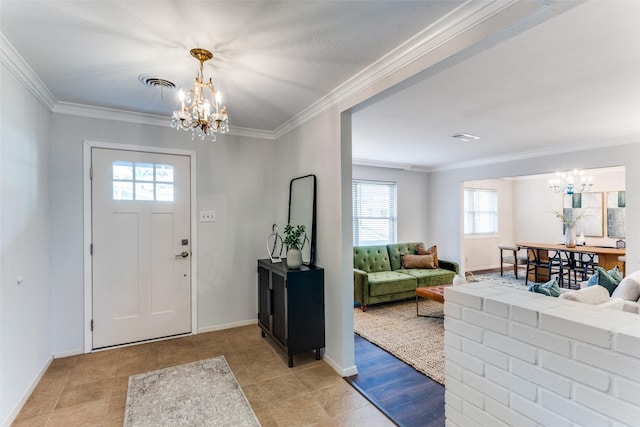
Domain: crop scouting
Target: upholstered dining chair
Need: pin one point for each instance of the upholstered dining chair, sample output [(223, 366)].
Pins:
[(509, 255)]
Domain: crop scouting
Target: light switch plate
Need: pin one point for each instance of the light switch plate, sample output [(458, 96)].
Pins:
[(207, 216)]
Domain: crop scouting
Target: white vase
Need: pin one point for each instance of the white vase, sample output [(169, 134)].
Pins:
[(294, 258), (570, 240)]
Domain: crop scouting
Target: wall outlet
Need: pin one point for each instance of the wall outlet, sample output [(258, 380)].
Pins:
[(207, 216)]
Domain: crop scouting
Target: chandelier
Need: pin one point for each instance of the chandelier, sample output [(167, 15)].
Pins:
[(203, 115), (570, 182)]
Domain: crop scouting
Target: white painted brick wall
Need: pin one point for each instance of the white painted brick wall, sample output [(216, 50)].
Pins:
[(515, 358)]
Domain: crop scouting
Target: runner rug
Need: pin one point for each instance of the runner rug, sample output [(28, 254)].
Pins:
[(202, 393), (395, 327)]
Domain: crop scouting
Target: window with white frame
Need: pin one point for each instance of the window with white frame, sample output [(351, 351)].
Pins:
[(480, 211), (374, 212)]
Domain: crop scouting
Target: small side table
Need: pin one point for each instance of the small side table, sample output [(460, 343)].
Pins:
[(435, 293)]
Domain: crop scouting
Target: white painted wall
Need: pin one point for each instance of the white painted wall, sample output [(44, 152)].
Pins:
[(481, 252), (315, 149), (232, 174), (412, 202), (25, 226)]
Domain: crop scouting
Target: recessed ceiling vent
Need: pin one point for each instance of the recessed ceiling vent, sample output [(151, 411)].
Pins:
[(466, 137), (156, 82)]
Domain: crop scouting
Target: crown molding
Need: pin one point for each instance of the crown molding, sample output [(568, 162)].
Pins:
[(92, 112), (488, 161), (10, 58), (456, 23)]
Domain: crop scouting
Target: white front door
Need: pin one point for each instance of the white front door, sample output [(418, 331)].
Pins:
[(141, 240)]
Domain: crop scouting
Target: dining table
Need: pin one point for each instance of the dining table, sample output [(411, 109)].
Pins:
[(577, 257)]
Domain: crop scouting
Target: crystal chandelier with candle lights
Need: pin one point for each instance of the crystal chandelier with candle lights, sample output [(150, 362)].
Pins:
[(570, 182), (203, 115)]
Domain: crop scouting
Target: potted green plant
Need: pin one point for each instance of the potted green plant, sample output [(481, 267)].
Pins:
[(294, 239)]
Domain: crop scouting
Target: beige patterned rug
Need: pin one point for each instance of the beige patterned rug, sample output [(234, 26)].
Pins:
[(202, 393), (417, 341)]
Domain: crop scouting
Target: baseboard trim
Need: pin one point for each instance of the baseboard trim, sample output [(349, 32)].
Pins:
[(14, 414), (227, 326), (68, 353)]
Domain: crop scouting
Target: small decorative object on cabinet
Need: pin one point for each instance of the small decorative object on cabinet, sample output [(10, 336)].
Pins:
[(291, 307)]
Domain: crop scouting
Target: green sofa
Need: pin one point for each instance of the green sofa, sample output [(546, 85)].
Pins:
[(378, 275)]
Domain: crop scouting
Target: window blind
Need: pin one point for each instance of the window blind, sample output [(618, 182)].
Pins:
[(480, 211), (374, 212)]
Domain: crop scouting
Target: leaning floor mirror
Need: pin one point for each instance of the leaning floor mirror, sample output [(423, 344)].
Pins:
[(302, 211)]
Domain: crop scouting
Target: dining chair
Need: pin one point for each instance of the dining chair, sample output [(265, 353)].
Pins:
[(547, 266), (511, 257)]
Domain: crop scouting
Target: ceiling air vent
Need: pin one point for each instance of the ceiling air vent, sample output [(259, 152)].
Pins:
[(466, 137), (156, 82)]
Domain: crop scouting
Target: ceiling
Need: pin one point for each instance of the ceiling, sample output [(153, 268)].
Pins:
[(560, 83)]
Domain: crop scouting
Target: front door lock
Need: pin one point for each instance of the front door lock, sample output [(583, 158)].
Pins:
[(184, 254)]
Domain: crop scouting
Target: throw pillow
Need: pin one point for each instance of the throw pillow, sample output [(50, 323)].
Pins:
[(593, 295), (606, 280), (433, 251), (629, 288), (613, 274), (417, 261), (550, 288)]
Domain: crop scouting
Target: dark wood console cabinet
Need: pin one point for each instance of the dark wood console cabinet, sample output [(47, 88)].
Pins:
[(291, 306)]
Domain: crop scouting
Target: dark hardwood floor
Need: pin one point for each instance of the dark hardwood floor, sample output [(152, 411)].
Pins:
[(408, 397)]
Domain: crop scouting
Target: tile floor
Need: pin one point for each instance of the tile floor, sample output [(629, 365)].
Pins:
[(91, 389)]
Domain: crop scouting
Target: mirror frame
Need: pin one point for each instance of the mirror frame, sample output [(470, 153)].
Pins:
[(299, 184)]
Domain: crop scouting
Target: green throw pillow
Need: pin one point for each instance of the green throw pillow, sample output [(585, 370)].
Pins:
[(606, 280), (610, 277), (550, 289)]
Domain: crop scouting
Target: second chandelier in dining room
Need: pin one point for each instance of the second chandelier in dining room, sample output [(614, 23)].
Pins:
[(570, 182)]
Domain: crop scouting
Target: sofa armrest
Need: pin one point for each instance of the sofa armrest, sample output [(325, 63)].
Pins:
[(360, 286), (449, 265)]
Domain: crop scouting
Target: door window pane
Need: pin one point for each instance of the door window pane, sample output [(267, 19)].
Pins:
[(164, 173), (144, 191), (123, 170), (144, 171), (122, 190)]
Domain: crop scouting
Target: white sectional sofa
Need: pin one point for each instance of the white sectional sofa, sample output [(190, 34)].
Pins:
[(625, 297)]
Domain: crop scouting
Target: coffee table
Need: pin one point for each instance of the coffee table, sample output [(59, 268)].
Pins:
[(435, 293)]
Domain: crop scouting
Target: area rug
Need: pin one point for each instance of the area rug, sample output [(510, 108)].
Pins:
[(202, 393), (417, 341), (508, 279)]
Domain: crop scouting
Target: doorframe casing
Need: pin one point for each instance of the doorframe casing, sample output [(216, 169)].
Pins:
[(87, 230)]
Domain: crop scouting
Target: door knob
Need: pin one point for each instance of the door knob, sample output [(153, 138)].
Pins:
[(184, 254)]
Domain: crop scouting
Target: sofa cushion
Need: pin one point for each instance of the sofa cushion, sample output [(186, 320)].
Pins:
[(389, 282), (371, 259), (417, 261), (433, 250), (629, 288), (396, 250), (593, 295), (430, 276)]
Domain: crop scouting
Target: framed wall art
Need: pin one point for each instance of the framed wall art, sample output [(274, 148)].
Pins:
[(616, 203), (590, 206)]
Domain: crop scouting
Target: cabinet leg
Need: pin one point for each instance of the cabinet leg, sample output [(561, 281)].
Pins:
[(291, 361), (263, 334), (317, 354)]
